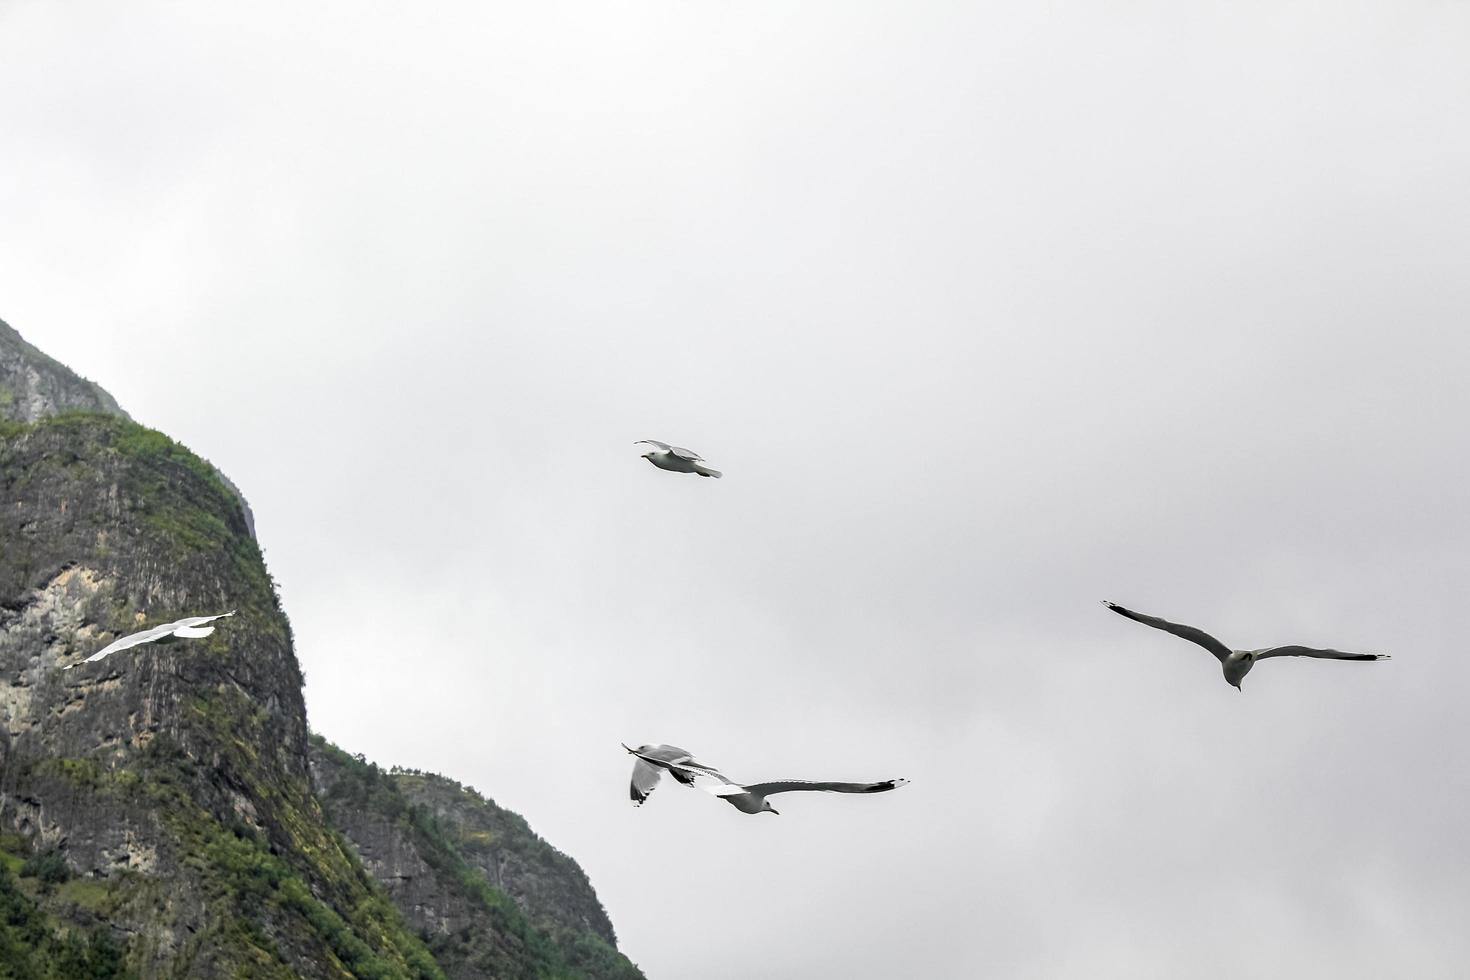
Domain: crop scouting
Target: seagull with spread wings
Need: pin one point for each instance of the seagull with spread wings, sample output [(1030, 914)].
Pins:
[(1236, 663), (745, 797), (676, 460), (192, 628)]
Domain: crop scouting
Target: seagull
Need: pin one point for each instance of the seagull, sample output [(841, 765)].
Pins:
[(1236, 663), (191, 628), (676, 460), (653, 761), (747, 798)]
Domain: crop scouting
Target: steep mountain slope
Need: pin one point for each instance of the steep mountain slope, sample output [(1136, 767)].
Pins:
[(172, 777), (33, 386), (472, 878), (156, 810)]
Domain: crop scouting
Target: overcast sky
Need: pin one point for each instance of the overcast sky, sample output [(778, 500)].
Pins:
[(987, 311)]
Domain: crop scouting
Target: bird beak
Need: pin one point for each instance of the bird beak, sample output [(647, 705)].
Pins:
[(776, 812)]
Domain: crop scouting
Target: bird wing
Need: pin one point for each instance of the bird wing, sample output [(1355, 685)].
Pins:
[(1296, 651), (654, 442), (645, 778), (185, 628), (688, 454), (1190, 633), (193, 628), (125, 642), (795, 785), (653, 761), (201, 620)]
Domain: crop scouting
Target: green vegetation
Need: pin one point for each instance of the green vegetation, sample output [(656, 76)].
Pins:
[(12, 852), (33, 946), (48, 867)]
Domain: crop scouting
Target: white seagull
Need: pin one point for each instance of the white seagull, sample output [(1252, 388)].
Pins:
[(676, 460), (651, 763), (191, 628), (1236, 663), (745, 797)]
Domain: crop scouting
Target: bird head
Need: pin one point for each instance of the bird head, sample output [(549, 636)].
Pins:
[(767, 808)]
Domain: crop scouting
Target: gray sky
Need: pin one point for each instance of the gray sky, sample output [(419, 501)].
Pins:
[(988, 312)]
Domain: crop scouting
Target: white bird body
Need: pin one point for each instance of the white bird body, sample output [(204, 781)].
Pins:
[(675, 459), (191, 628), (1237, 663)]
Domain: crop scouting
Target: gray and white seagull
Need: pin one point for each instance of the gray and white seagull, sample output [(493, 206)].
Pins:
[(676, 460), (653, 761), (192, 628), (745, 797), (1236, 663)]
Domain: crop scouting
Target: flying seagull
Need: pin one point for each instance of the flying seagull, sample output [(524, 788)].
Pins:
[(189, 629), (676, 460), (1236, 663), (653, 761), (747, 798)]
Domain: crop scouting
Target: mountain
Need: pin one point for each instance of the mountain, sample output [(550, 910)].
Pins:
[(158, 815), (33, 386), (470, 877)]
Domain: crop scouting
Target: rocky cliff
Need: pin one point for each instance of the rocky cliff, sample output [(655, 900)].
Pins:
[(157, 814), (470, 877), (33, 386)]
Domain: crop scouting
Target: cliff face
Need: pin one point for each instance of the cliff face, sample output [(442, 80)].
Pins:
[(449, 859), (157, 816), (33, 386), (172, 780)]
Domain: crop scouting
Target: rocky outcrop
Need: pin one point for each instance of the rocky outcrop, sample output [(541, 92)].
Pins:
[(33, 386), (449, 858)]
